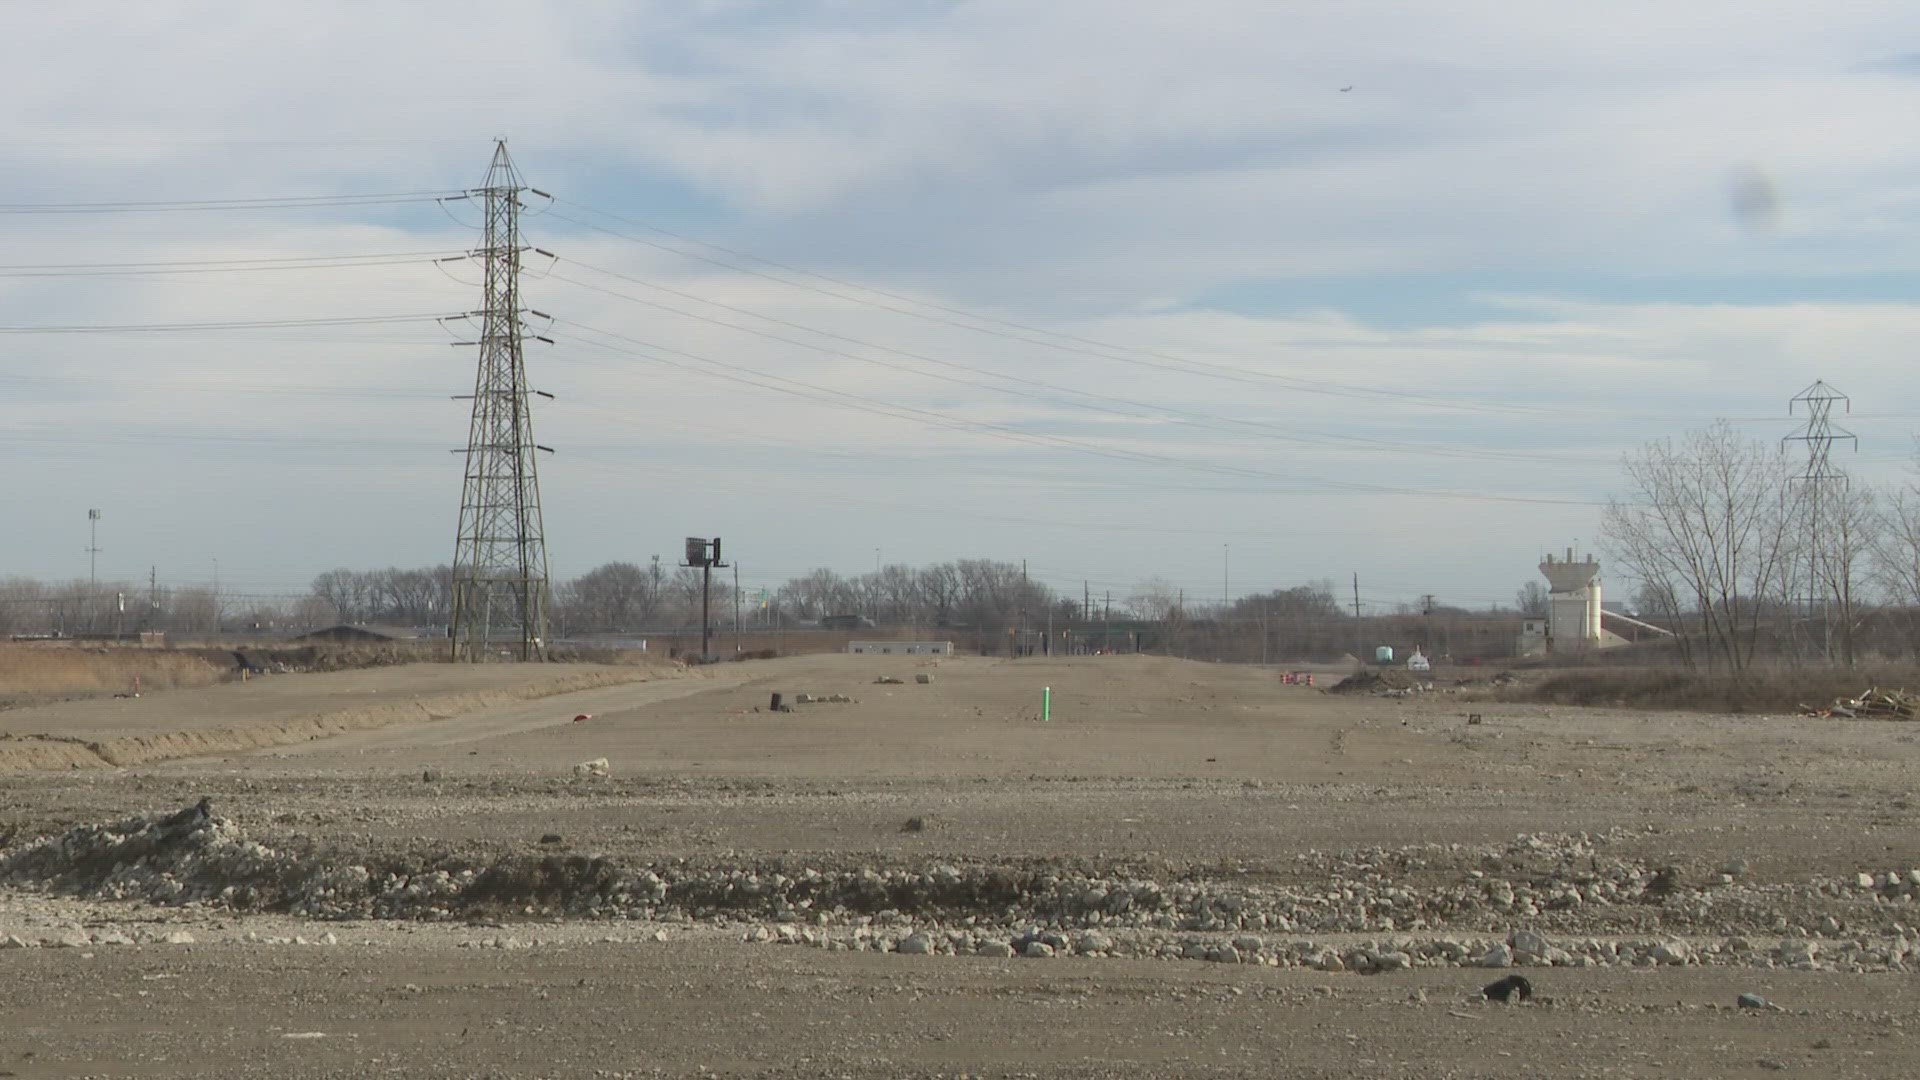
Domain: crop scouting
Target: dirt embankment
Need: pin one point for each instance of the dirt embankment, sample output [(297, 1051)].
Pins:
[(58, 751), (33, 673), (1776, 691)]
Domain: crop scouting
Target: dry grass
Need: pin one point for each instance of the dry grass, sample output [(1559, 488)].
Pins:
[(40, 670), (1772, 690)]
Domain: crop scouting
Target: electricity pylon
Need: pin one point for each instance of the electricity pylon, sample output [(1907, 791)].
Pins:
[(1823, 483), (500, 591)]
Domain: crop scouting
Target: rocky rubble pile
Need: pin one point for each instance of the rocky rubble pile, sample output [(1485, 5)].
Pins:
[(1523, 948), (1565, 884)]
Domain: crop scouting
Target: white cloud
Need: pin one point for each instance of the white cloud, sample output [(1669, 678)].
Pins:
[(1106, 170)]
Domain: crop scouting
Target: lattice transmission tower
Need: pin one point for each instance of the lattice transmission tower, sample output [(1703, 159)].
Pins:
[(500, 588), (1824, 485)]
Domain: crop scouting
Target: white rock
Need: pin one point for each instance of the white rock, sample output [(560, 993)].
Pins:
[(1092, 941), (1497, 957), (328, 939), (1392, 961), (1249, 943), (1039, 949), (597, 767), (1227, 955), (915, 945), (1529, 941), (1798, 950), (12, 942), (177, 937), (1672, 952), (999, 949), (1863, 881)]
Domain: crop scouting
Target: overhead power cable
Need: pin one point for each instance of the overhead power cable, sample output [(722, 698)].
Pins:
[(1129, 408), (1005, 328), (235, 324), (280, 202), (218, 266), (826, 395)]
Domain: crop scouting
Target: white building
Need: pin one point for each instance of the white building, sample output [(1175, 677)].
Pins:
[(1573, 622)]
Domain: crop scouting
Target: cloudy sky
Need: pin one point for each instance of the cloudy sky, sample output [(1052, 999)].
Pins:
[(1264, 291)]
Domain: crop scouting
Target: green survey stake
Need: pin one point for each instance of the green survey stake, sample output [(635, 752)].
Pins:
[(1046, 703)]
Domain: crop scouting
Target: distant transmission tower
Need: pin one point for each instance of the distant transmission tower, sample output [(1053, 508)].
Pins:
[(1823, 483), (500, 557)]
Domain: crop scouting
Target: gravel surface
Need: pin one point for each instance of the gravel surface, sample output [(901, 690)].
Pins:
[(1192, 870)]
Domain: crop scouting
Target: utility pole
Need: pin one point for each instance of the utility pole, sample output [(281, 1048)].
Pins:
[(1226, 562), (1263, 631), (1426, 610), (1046, 643), (1019, 638), (1182, 609), (1822, 482), (500, 587), (1359, 643), (1086, 601), (736, 609)]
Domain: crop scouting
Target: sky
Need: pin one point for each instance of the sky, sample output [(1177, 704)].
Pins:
[(1236, 295)]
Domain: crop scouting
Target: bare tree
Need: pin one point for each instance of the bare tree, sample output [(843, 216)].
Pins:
[(618, 596), (1848, 531), (23, 605), (1711, 519), (1896, 550), (1531, 600), (1153, 600)]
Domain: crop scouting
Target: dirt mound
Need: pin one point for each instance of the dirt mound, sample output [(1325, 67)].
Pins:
[(1374, 680), (45, 751)]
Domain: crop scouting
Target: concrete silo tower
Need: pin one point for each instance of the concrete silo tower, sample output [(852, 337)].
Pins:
[(1573, 603)]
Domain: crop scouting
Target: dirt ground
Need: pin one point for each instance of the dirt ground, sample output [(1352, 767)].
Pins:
[(1290, 840)]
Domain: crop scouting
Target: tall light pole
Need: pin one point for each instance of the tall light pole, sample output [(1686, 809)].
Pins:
[(93, 550)]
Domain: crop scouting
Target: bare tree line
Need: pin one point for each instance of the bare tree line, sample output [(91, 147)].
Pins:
[(1715, 532), (1724, 540)]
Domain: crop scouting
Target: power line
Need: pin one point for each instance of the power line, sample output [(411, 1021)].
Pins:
[(1134, 408), (1070, 343), (841, 399), (217, 266), (271, 202), (233, 324)]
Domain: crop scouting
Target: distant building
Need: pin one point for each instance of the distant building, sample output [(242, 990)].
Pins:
[(1574, 612), (902, 648)]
